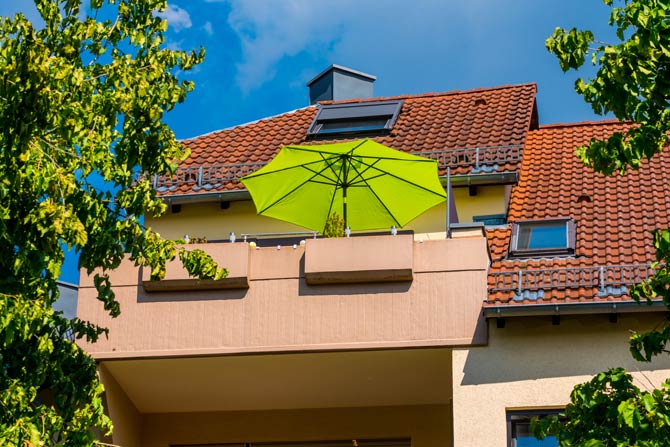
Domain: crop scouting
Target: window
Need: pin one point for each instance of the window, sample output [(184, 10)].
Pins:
[(518, 429), (543, 237), (491, 219), (355, 118)]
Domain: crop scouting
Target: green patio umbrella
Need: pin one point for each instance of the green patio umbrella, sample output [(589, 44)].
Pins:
[(370, 185)]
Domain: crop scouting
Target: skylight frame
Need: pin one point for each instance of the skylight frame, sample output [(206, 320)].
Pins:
[(353, 113), (518, 249)]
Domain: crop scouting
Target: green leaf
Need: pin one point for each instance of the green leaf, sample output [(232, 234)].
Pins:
[(68, 115)]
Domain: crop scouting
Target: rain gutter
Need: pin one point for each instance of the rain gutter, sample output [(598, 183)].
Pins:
[(221, 196), (498, 178), (581, 308)]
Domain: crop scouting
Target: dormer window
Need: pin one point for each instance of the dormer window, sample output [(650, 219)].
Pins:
[(547, 237), (355, 118)]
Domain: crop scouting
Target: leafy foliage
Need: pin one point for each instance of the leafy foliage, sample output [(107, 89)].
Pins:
[(82, 102), (633, 83), (334, 226), (611, 411)]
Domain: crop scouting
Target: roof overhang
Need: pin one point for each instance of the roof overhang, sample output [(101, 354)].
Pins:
[(501, 178), (580, 308)]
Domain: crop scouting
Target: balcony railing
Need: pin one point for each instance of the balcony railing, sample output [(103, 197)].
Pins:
[(604, 277), (474, 156), (483, 159), (204, 177)]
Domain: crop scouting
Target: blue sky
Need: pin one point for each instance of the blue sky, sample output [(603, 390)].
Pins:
[(261, 53)]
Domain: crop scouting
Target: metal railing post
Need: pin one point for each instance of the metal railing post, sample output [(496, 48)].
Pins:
[(571, 277)]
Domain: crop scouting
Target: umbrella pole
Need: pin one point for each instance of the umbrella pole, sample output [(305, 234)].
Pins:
[(344, 205), (345, 168)]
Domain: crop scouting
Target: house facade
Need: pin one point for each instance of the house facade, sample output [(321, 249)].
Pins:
[(442, 335)]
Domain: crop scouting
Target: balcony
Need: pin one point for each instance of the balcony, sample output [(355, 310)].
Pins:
[(482, 160), (608, 280), (330, 294)]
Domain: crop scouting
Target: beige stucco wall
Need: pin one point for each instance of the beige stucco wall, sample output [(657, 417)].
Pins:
[(210, 221), (531, 364), (279, 311), (426, 425), (125, 417)]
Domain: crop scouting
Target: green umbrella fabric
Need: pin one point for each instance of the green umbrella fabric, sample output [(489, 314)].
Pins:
[(371, 185)]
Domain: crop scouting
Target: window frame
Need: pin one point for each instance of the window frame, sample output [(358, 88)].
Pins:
[(570, 238), (500, 219), (352, 112), (526, 415)]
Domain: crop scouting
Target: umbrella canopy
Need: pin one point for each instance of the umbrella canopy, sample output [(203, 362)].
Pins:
[(370, 185)]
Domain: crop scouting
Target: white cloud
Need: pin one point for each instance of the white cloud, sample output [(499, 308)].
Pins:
[(371, 36), (178, 18), (270, 31), (208, 28)]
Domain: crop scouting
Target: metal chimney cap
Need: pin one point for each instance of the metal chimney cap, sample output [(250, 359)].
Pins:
[(344, 69)]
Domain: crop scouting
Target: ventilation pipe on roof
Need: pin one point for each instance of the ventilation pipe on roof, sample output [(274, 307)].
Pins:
[(337, 83)]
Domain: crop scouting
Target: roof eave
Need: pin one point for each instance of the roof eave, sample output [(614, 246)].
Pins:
[(580, 308)]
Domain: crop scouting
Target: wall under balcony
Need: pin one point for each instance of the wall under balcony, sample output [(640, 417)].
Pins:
[(531, 364), (278, 311), (425, 425)]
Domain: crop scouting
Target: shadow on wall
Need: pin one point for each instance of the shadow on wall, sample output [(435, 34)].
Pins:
[(330, 290), (186, 295), (532, 348), (190, 295)]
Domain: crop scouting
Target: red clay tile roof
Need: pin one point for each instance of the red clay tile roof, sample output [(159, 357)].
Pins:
[(498, 116), (613, 227)]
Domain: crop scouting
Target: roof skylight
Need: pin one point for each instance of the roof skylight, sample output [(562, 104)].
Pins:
[(355, 118), (543, 237)]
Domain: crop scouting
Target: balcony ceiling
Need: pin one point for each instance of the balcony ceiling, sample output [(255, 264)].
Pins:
[(286, 381)]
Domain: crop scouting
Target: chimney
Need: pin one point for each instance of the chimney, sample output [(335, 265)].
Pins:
[(337, 82)]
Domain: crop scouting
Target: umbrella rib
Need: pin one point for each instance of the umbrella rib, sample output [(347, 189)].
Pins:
[(418, 159), (359, 174), (330, 208), (337, 185), (404, 180), (330, 165), (320, 174), (293, 190), (380, 200)]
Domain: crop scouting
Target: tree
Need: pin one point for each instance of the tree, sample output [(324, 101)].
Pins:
[(633, 83), (81, 102)]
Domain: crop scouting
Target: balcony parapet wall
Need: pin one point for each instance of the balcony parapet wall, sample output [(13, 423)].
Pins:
[(381, 292)]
